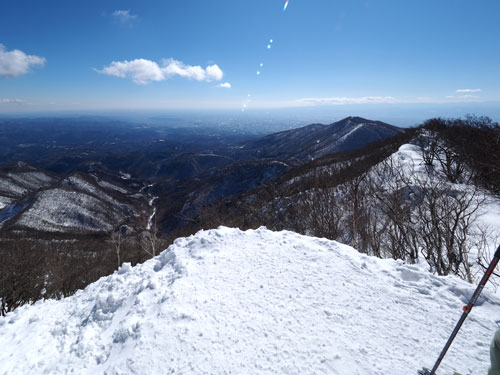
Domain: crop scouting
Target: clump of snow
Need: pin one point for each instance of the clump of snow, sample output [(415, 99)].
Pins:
[(125, 176), (256, 302)]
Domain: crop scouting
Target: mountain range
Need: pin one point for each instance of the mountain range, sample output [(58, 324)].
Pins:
[(316, 140), (96, 188)]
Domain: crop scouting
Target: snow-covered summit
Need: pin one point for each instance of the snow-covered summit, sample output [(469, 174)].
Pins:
[(255, 302)]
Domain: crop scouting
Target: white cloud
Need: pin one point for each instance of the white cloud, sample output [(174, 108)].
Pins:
[(463, 96), (225, 85), (173, 67), (468, 90), (348, 100), (143, 71), (10, 101), (16, 63), (214, 73), (123, 16)]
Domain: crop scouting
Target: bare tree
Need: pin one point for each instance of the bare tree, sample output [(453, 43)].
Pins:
[(394, 196), (445, 227), (116, 240), (452, 163), (428, 143), (327, 214), (355, 193), (21, 275), (149, 240), (425, 214)]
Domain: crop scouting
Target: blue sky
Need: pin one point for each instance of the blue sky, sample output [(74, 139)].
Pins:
[(95, 55)]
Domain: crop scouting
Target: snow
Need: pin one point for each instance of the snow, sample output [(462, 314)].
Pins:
[(22, 183), (87, 187), (153, 213), (16, 185), (5, 201), (108, 185), (59, 210), (490, 217), (352, 131), (10, 211), (255, 302), (125, 176), (408, 160), (7, 185), (80, 183), (33, 180)]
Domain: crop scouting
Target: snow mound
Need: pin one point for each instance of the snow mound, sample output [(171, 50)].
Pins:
[(255, 302)]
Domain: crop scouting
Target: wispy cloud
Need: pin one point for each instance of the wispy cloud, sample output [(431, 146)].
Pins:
[(348, 100), (124, 16), (142, 71), (16, 63), (463, 96), (468, 90), (11, 101), (225, 85)]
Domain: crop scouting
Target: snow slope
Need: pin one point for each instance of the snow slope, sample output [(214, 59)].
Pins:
[(256, 302)]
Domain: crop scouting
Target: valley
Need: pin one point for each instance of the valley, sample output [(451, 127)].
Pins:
[(79, 196), (79, 203), (221, 187), (92, 165)]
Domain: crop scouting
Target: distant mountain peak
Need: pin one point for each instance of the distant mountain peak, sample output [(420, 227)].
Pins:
[(359, 120), (316, 140)]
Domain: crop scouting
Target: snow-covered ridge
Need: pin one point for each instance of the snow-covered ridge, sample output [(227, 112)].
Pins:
[(33, 200), (17, 184), (32, 179), (256, 302), (108, 185), (58, 210)]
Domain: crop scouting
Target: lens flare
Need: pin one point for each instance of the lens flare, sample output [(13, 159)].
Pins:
[(261, 66)]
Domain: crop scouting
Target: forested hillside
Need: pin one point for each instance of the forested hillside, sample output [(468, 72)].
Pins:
[(427, 194)]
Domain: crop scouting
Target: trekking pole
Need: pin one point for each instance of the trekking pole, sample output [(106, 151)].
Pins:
[(466, 310)]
